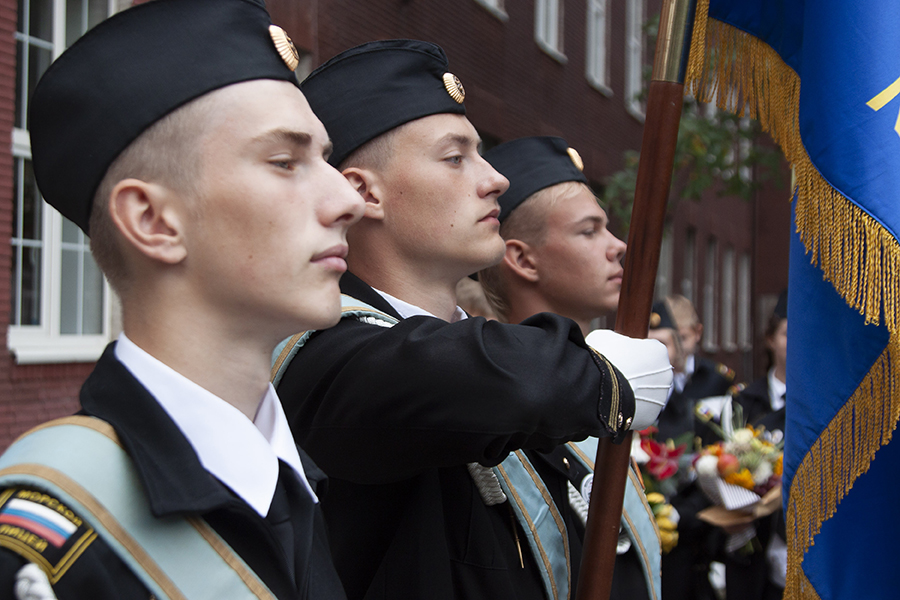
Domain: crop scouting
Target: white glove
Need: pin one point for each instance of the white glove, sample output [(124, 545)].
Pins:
[(32, 584), (645, 364)]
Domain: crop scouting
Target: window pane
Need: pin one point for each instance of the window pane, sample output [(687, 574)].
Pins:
[(98, 10), (75, 17), (41, 19), (20, 84), (32, 205), (70, 232), (69, 296), (38, 61), (92, 311)]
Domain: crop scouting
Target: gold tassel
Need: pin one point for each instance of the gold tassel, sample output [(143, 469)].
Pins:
[(856, 254)]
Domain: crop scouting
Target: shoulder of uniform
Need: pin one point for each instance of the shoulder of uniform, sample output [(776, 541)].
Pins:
[(724, 371), (43, 530), (736, 389)]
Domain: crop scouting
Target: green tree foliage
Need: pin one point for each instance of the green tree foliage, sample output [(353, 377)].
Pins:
[(716, 151)]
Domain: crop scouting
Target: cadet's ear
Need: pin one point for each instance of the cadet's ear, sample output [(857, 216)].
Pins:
[(520, 259), (148, 217), (366, 183)]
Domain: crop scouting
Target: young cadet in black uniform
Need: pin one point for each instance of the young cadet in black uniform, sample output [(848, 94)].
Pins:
[(175, 134), (394, 407), (561, 258), (697, 377)]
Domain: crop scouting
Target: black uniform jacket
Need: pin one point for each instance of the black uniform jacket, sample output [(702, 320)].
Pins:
[(755, 401), (708, 379), (177, 484), (394, 414)]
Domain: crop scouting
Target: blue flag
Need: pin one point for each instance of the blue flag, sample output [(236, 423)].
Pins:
[(823, 78)]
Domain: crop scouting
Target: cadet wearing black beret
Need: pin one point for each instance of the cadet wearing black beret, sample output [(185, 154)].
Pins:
[(176, 135), (406, 402)]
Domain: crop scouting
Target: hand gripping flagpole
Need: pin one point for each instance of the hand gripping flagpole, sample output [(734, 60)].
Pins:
[(654, 177)]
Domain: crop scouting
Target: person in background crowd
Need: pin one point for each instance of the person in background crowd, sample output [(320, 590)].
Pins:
[(697, 378), (560, 257), (760, 575), (174, 134)]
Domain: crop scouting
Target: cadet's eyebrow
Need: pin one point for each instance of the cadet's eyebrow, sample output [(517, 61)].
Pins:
[(460, 139), (592, 218), (297, 138)]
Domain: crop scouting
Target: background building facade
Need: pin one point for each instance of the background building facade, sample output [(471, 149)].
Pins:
[(573, 68)]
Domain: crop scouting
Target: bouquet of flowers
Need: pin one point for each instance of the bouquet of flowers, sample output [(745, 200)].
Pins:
[(742, 477)]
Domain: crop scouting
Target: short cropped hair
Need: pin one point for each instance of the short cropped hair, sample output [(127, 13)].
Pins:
[(168, 152), (528, 223), (374, 154)]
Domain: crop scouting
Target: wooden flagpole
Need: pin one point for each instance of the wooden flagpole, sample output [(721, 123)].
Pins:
[(664, 102)]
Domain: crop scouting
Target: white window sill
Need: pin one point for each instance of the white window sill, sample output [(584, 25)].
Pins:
[(551, 51), (494, 10), (636, 110), (32, 348), (600, 87)]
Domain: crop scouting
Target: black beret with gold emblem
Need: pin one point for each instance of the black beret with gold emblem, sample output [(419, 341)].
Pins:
[(532, 164), (368, 90), (660, 317), (130, 71)]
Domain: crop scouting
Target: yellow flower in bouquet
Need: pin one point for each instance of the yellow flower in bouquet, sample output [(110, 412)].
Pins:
[(666, 521)]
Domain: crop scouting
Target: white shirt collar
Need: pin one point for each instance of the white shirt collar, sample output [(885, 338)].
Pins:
[(407, 310), (690, 364), (242, 454), (777, 390)]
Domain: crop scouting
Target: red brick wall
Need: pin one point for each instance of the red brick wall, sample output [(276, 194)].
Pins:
[(29, 394), (513, 88)]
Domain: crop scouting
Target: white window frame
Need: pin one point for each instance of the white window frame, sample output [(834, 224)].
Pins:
[(548, 28), (744, 326), (634, 58), (495, 7), (690, 266), (44, 343), (728, 300), (710, 297), (597, 46)]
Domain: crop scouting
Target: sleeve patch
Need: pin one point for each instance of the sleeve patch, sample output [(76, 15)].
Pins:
[(43, 530)]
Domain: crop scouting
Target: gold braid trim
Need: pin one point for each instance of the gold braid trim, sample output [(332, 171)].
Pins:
[(858, 256)]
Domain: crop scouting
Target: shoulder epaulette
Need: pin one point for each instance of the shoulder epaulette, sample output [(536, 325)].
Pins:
[(725, 371)]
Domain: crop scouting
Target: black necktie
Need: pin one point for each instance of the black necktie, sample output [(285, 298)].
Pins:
[(291, 519)]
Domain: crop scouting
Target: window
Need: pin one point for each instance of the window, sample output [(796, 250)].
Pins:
[(690, 258), (634, 57), (745, 145), (728, 285), (495, 7), (744, 339), (597, 65), (60, 301), (548, 23), (711, 334)]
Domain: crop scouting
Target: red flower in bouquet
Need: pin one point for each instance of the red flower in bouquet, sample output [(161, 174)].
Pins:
[(663, 461)]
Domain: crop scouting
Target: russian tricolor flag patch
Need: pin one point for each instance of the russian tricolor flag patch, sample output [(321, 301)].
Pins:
[(38, 519)]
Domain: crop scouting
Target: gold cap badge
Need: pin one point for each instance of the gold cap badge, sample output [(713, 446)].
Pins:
[(454, 87), (285, 47), (655, 319), (576, 159)]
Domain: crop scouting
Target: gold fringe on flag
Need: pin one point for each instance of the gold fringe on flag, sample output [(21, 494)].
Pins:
[(858, 256)]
